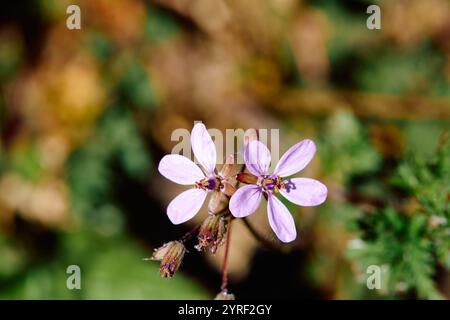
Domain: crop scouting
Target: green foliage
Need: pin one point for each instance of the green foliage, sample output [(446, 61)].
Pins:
[(400, 72), (345, 149), (411, 242), (100, 45), (349, 37), (143, 280), (2, 158), (427, 179), (136, 88), (11, 59), (25, 161), (160, 25), (116, 141), (101, 276), (422, 137), (13, 258), (400, 243)]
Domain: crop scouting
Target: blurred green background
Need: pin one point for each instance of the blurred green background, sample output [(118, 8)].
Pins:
[(85, 116)]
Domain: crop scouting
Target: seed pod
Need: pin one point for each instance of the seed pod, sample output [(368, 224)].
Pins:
[(213, 232), (170, 254)]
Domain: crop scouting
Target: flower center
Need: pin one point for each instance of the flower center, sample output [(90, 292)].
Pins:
[(272, 183), (208, 184)]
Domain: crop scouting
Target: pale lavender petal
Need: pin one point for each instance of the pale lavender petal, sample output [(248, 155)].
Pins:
[(257, 158), (296, 158), (245, 201), (203, 147), (186, 205), (280, 219), (180, 169), (305, 192)]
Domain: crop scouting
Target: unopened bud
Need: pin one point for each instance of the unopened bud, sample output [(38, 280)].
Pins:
[(228, 189), (227, 168), (170, 254), (224, 295), (247, 178), (217, 202), (213, 232)]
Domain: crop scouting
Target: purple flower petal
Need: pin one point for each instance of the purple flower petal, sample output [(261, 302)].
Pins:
[(296, 158), (186, 205), (180, 169), (257, 158), (305, 192), (280, 219), (245, 201), (203, 147)]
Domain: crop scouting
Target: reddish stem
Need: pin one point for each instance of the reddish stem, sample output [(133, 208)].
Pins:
[(224, 286)]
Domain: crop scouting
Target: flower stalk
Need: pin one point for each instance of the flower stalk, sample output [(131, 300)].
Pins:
[(229, 201), (224, 285)]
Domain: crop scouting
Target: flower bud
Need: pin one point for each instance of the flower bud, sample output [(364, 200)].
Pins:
[(228, 189), (227, 168), (217, 202), (170, 254), (212, 232), (247, 178), (224, 295)]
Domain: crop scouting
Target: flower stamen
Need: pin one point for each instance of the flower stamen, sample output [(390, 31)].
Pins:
[(272, 183), (209, 184)]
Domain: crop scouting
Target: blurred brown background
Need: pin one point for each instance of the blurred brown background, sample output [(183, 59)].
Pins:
[(85, 116)]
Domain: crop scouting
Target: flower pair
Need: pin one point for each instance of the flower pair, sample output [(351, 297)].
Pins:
[(244, 201)]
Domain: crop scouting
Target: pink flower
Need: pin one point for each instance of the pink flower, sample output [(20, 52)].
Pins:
[(183, 171), (301, 191)]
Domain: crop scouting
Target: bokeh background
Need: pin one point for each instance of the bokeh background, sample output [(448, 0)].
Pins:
[(85, 116)]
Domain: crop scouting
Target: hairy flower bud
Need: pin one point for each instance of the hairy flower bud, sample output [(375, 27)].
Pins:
[(228, 189), (227, 168), (247, 178), (170, 254), (224, 295), (212, 232), (217, 203)]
